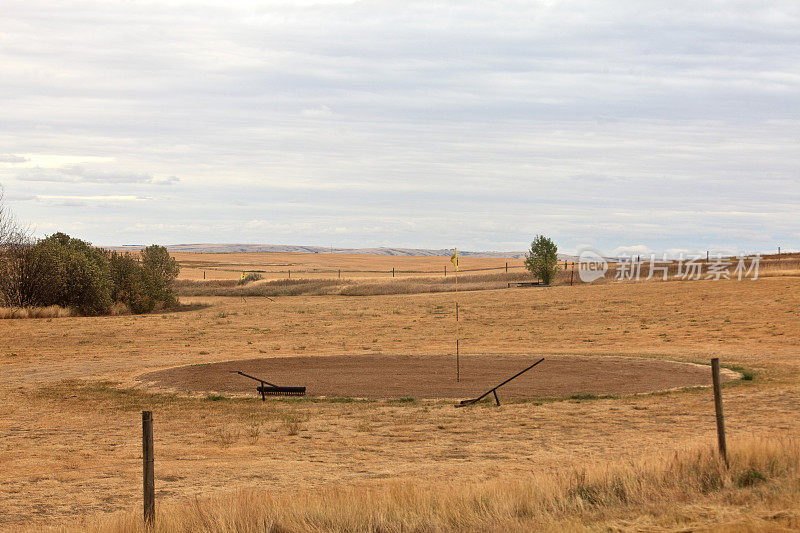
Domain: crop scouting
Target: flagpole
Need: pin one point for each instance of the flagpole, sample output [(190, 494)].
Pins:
[(458, 330)]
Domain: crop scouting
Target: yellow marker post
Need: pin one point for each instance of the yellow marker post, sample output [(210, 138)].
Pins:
[(454, 260)]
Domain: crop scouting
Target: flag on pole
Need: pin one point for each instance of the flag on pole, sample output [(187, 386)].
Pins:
[(454, 258)]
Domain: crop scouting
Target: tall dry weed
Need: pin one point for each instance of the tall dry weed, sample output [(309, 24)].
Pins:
[(595, 494), (52, 311)]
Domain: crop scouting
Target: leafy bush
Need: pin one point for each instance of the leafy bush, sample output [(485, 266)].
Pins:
[(75, 275), (160, 270), (249, 278), (67, 272), (542, 259), (21, 269), (130, 283)]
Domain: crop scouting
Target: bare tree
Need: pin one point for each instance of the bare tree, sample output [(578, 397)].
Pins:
[(15, 258), (11, 233), (6, 221)]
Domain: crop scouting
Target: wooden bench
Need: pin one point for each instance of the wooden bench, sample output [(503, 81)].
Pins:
[(526, 284)]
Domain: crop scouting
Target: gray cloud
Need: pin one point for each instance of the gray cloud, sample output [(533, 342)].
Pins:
[(418, 124), (11, 158), (79, 174)]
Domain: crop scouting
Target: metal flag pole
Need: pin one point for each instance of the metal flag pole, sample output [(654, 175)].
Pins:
[(454, 260)]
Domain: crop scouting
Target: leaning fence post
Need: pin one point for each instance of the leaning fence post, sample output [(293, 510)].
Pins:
[(723, 448), (148, 473)]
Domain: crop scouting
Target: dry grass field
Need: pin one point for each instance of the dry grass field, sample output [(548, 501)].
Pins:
[(318, 266), (71, 424)]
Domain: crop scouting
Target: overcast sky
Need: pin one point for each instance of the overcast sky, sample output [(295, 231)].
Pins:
[(619, 125)]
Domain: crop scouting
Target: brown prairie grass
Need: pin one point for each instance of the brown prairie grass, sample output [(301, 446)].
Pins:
[(348, 287), (361, 267), (651, 493), (54, 429), (229, 266), (52, 311), (287, 287), (360, 284)]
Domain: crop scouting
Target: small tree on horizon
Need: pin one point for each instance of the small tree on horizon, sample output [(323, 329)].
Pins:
[(542, 259)]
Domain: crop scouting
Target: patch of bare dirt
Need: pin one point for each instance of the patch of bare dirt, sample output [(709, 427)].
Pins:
[(434, 376)]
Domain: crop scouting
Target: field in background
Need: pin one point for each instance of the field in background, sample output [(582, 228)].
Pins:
[(71, 443), (280, 266), (366, 275), (316, 266)]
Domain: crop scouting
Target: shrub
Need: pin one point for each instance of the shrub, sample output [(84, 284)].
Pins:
[(21, 268), (67, 272), (146, 284), (542, 259), (250, 277), (160, 270), (130, 283), (72, 274)]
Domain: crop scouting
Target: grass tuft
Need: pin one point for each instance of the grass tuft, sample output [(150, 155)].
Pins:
[(747, 375), (216, 398)]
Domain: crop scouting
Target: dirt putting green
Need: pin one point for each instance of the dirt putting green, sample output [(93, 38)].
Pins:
[(434, 376)]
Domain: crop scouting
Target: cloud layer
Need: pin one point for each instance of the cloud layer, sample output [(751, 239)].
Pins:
[(475, 125)]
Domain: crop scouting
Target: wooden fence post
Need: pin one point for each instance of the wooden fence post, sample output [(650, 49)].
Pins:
[(506, 267), (392, 271), (148, 473), (723, 448)]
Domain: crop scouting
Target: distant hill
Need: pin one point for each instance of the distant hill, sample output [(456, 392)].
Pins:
[(210, 248)]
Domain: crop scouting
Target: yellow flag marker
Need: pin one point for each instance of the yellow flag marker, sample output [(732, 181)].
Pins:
[(454, 258)]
